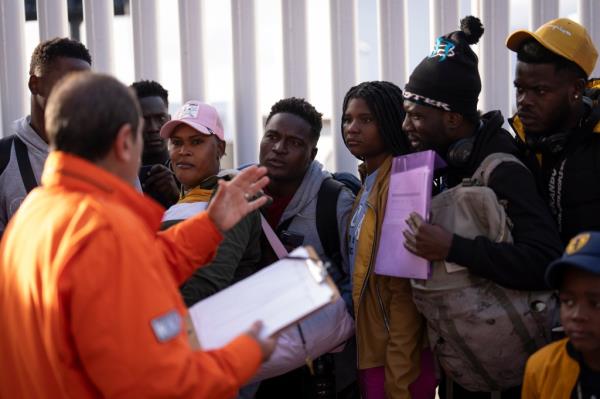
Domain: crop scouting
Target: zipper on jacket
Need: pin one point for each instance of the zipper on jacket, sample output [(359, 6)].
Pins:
[(372, 258), (385, 319)]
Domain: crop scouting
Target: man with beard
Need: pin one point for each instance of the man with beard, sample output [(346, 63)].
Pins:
[(557, 120), (440, 101)]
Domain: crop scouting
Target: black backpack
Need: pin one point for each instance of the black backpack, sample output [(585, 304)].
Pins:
[(25, 168), (326, 217)]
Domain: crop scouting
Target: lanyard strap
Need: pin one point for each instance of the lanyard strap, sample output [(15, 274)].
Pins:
[(275, 242)]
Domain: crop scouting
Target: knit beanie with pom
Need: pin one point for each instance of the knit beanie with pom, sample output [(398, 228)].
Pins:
[(448, 78)]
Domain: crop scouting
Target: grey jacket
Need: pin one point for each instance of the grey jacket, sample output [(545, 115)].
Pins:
[(12, 189), (303, 209)]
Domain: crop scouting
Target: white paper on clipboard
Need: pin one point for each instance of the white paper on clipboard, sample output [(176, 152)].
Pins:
[(278, 295)]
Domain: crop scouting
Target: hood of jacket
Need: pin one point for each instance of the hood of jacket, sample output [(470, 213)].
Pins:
[(489, 138), (26, 133), (307, 192)]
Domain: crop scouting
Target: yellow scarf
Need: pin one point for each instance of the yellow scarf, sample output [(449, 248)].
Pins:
[(196, 195)]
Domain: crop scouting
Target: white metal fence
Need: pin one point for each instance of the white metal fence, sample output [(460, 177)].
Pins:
[(396, 30)]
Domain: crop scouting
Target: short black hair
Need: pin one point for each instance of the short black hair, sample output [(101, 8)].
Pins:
[(303, 109), (385, 101), (532, 52), (46, 52), (87, 125), (150, 88)]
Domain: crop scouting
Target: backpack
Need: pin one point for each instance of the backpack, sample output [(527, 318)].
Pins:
[(481, 332), (326, 217), (23, 161)]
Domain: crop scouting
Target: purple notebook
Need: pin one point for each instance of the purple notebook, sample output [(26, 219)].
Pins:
[(410, 191)]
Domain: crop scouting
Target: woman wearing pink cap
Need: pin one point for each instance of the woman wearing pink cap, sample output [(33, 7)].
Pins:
[(196, 144)]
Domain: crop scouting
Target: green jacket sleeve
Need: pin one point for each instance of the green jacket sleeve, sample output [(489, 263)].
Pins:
[(239, 249)]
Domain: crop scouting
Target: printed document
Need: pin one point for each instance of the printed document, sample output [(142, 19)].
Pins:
[(278, 295)]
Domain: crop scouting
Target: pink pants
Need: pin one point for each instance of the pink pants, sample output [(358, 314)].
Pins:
[(371, 381)]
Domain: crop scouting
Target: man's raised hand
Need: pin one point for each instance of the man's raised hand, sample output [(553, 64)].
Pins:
[(239, 197)]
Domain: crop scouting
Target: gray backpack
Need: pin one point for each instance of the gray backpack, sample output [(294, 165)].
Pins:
[(480, 332)]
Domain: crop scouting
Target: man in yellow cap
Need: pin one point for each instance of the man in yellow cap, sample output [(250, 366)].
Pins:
[(557, 120)]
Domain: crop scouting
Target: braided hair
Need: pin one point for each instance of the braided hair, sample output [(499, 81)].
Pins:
[(385, 102)]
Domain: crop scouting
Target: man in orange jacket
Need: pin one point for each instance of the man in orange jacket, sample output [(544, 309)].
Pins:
[(89, 305)]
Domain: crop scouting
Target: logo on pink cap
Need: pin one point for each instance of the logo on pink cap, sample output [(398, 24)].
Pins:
[(189, 110), (199, 116)]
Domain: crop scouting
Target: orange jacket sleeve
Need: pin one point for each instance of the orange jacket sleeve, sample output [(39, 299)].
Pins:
[(114, 290), (188, 244)]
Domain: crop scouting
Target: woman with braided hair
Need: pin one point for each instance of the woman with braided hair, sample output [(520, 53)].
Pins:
[(389, 329)]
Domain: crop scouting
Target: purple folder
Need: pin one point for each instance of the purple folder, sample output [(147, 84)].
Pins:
[(410, 191)]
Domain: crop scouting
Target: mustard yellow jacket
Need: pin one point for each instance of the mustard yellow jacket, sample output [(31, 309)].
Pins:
[(551, 373), (389, 329)]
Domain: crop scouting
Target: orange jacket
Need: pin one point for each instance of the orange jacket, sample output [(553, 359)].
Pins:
[(85, 285), (550, 373)]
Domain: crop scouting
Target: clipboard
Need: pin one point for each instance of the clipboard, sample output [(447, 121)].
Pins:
[(279, 295)]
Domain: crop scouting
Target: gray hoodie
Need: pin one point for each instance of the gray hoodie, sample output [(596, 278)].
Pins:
[(303, 207), (12, 189)]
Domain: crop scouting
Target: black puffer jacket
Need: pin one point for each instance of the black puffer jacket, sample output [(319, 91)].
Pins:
[(522, 264)]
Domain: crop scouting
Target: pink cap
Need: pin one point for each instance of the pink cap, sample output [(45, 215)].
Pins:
[(199, 116)]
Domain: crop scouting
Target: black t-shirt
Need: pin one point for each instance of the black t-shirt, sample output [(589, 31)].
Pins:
[(588, 383)]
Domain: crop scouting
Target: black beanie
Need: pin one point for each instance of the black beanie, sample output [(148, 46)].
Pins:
[(448, 78)]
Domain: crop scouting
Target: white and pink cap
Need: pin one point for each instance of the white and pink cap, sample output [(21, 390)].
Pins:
[(199, 116)]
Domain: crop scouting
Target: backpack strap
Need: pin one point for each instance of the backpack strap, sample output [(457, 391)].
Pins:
[(24, 165), (490, 163), (327, 223), (5, 146)]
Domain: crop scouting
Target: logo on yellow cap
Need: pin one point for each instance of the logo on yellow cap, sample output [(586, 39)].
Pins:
[(560, 29), (577, 243)]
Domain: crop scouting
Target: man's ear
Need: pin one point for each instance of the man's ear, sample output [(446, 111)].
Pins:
[(313, 153), (33, 83), (576, 90), (453, 120), (123, 146), (220, 147)]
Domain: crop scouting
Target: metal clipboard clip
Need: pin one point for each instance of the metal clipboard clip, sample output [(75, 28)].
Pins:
[(315, 267)]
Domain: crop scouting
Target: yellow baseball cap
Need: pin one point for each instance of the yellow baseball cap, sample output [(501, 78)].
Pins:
[(561, 36)]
